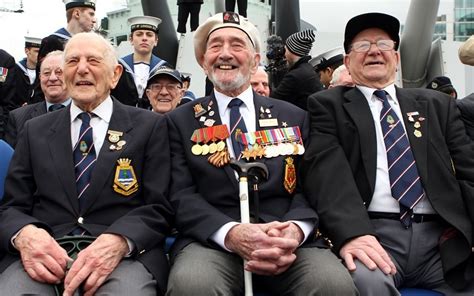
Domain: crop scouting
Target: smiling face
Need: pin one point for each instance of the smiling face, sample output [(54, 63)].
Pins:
[(143, 41), (164, 94), (374, 68), (51, 79), (230, 60), (90, 70)]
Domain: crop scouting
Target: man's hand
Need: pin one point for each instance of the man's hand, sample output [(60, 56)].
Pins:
[(42, 257), (94, 264), (267, 255), (367, 250)]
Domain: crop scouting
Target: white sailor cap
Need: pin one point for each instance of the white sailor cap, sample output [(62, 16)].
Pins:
[(32, 41), (144, 22), (327, 59), (224, 20), (79, 3)]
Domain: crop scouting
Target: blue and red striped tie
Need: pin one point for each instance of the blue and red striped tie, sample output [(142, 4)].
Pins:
[(237, 125), (404, 178), (84, 156)]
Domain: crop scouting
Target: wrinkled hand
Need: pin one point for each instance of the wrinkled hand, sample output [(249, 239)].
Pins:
[(367, 250), (94, 264), (266, 255), (42, 257)]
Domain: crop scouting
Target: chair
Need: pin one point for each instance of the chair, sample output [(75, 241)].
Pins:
[(6, 153)]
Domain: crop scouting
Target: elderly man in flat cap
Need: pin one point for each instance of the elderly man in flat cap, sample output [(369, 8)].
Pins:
[(165, 90), (300, 81), (281, 247), (391, 172)]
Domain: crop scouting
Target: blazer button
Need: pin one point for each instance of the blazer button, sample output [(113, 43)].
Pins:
[(80, 220)]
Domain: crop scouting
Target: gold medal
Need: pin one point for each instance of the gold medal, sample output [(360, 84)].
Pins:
[(205, 149), (196, 149), (212, 148), (114, 136), (417, 133), (417, 124), (220, 146)]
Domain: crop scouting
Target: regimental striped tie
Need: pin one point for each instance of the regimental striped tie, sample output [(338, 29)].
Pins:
[(404, 178), (237, 125), (84, 156)]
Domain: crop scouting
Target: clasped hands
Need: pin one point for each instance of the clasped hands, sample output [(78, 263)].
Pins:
[(268, 248), (45, 261)]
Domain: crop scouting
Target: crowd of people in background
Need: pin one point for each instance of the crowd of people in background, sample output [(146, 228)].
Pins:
[(370, 186)]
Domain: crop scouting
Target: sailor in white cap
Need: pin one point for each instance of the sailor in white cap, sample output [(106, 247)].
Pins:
[(25, 72), (325, 64), (137, 66)]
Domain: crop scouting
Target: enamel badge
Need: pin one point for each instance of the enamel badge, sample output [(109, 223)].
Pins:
[(125, 181)]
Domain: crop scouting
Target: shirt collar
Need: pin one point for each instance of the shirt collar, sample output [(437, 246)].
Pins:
[(103, 111), (368, 92), (65, 103), (224, 100)]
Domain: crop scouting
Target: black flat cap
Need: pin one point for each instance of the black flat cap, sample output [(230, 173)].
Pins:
[(359, 23)]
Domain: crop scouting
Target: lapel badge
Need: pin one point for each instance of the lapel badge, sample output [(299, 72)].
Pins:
[(411, 114), (125, 181), (198, 110), (83, 147), (417, 133), (3, 74), (211, 113), (114, 136), (421, 118), (417, 124), (390, 119), (209, 122)]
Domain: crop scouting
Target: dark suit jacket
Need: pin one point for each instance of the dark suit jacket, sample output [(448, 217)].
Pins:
[(206, 197), (298, 84), (340, 166), (23, 88), (17, 120), (466, 106), (7, 88), (41, 190)]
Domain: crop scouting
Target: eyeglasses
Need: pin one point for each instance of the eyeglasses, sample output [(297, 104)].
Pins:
[(364, 46), (47, 73), (169, 87)]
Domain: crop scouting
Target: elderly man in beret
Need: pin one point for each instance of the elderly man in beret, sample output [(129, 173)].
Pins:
[(391, 172), (281, 247)]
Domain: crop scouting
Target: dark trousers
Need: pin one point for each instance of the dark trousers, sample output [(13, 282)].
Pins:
[(242, 4), (184, 10)]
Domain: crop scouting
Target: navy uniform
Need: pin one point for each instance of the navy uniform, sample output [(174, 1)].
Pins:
[(25, 76), (130, 89), (7, 87)]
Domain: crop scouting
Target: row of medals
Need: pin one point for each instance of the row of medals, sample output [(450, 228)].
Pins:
[(218, 153)]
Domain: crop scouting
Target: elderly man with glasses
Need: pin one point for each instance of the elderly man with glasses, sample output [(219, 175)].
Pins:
[(165, 90), (391, 172)]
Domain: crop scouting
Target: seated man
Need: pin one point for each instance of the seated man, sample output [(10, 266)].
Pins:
[(55, 94), (204, 135), (391, 171), (164, 90), (98, 168)]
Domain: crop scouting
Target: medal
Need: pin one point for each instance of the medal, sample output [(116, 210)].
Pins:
[(213, 148), (114, 136), (205, 149), (220, 146), (290, 175), (417, 124), (196, 149), (417, 133)]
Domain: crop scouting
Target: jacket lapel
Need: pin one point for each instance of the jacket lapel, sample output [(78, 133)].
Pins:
[(359, 110), (59, 142), (107, 159), (418, 137), (39, 109)]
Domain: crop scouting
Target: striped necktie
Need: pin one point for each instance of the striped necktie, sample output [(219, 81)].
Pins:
[(237, 125), (404, 178), (84, 156)]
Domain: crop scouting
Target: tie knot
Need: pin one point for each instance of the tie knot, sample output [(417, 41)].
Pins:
[(235, 103), (381, 94), (85, 117), (55, 107)]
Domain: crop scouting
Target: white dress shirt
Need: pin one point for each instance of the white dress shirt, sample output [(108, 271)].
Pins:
[(382, 200), (247, 110)]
